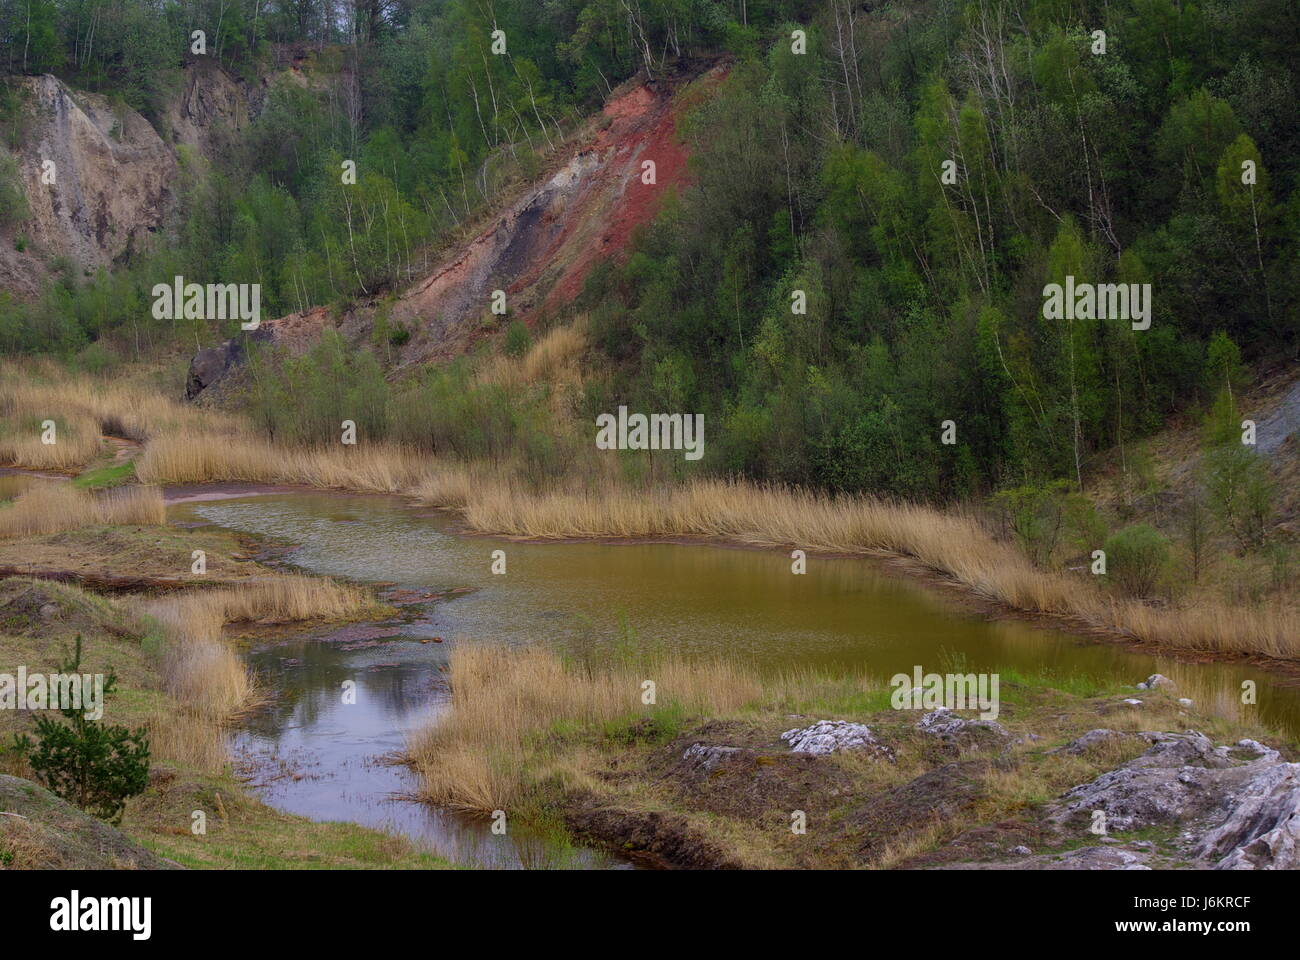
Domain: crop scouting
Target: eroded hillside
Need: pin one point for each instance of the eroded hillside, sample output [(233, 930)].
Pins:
[(539, 249), (97, 183), (98, 179)]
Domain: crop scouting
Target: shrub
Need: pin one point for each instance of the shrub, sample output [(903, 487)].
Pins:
[(1136, 557), (13, 198), (517, 339), (1036, 514), (1241, 493), (94, 765)]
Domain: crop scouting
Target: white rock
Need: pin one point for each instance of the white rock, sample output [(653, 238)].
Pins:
[(1156, 680), (944, 722), (827, 736)]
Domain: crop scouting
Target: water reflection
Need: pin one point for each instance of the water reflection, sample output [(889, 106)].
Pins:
[(308, 752)]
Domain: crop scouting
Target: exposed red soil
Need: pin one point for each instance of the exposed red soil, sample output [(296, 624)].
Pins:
[(642, 131), (541, 248)]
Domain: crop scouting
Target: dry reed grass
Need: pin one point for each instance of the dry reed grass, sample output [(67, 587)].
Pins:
[(188, 740), (476, 756), (204, 673), (39, 390), (196, 457), (76, 443), (553, 359), (52, 507)]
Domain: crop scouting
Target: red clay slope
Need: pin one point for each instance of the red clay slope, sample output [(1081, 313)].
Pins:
[(542, 247), (539, 249)]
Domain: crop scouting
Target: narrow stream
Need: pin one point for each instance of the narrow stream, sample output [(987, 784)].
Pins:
[(314, 756)]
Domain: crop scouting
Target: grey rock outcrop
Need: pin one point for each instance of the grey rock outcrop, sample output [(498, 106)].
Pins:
[(958, 731), (1091, 740), (212, 364), (1157, 681), (707, 757), (827, 736), (1242, 801)]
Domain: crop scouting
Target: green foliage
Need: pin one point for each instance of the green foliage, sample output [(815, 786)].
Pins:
[(824, 173), (518, 339), (924, 293), (110, 476), (92, 764), (1241, 493), (13, 198), (306, 399), (1223, 367), (1136, 559), (1036, 516)]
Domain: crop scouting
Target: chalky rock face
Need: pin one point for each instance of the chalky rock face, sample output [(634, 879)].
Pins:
[(97, 180), (827, 736), (1242, 801)]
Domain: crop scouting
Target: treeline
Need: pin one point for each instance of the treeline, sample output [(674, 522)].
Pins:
[(436, 108), (821, 176)]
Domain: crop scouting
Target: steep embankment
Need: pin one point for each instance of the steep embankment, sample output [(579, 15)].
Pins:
[(539, 249), (98, 178), (211, 103), (97, 182)]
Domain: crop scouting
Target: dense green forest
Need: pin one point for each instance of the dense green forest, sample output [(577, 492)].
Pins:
[(1113, 157), (925, 301)]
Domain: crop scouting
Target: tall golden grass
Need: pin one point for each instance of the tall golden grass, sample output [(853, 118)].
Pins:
[(203, 672), (76, 443), (193, 457), (477, 755), (51, 507), (84, 409), (554, 358)]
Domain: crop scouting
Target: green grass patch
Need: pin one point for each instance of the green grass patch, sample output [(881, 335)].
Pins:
[(104, 477)]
